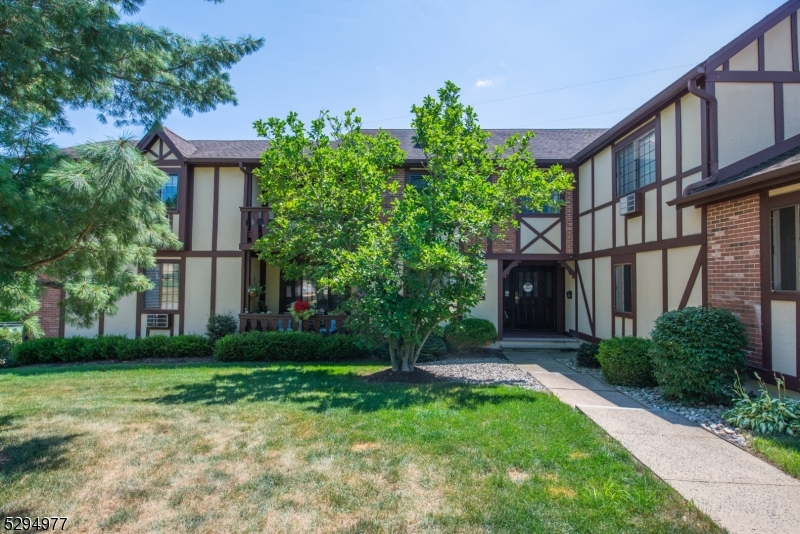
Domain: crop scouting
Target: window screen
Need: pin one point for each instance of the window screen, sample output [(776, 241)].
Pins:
[(166, 285), (622, 288), (784, 249), (636, 164)]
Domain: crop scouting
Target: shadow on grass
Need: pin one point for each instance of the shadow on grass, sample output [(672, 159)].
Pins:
[(319, 390), (35, 454)]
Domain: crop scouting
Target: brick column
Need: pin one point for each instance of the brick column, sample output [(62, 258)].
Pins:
[(734, 265), (50, 312)]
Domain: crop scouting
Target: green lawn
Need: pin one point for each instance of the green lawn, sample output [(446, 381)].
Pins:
[(783, 451), (287, 448)]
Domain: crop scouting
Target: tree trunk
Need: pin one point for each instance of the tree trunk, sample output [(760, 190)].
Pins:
[(393, 355)]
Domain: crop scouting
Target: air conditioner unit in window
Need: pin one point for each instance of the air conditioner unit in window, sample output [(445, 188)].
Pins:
[(630, 204), (157, 321)]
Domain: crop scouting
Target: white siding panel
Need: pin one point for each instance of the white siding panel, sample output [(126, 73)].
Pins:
[(690, 132), (229, 285), (784, 337), (583, 314), (778, 47), (585, 242), (487, 308), (603, 237), (651, 215), (603, 186), (668, 143), (198, 295), (635, 230), (603, 307), (231, 193), (746, 120), (747, 59), (649, 295), (203, 207), (585, 186), (791, 110), (124, 322), (669, 226)]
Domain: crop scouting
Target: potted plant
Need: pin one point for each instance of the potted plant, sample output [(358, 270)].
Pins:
[(301, 310), (254, 291)]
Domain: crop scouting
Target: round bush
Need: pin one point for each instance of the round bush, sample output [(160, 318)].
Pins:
[(469, 334), (697, 353), (434, 348), (587, 355), (220, 325), (625, 361)]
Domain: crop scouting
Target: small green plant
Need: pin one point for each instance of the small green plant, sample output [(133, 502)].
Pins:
[(587, 355), (469, 334), (765, 414), (698, 353), (625, 361), (220, 325), (254, 290)]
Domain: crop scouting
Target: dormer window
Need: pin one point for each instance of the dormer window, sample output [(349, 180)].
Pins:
[(636, 163), (169, 193)]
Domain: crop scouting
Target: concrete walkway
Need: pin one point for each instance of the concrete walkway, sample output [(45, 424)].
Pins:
[(740, 492)]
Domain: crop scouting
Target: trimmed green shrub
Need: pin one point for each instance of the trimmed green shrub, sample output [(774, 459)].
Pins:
[(434, 348), (287, 346), (82, 349), (8, 340), (469, 334), (698, 353), (765, 414), (625, 361), (587, 355), (220, 325)]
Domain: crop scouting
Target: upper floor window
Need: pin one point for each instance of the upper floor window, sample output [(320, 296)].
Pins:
[(166, 282), (636, 163), (552, 207), (623, 288), (169, 193), (418, 181), (784, 248)]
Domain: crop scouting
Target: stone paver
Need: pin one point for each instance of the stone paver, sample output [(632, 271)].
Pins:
[(740, 492)]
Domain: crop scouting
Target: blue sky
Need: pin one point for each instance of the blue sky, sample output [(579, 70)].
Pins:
[(382, 56)]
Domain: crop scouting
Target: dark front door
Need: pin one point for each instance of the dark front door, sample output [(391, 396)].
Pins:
[(529, 299)]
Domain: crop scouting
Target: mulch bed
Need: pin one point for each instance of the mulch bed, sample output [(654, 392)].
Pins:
[(417, 376)]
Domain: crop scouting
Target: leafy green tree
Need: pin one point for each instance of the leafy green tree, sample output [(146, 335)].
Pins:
[(81, 225), (418, 259)]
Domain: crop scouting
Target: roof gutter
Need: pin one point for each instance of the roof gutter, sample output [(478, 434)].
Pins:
[(711, 116)]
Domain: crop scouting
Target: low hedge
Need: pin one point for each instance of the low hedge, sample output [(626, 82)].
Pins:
[(469, 334), (625, 361), (82, 349), (698, 353), (287, 346)]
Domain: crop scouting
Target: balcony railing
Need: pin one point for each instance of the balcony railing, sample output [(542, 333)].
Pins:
[(266, 322), (255, 220)]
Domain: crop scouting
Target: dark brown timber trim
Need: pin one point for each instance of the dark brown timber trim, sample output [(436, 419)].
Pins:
[(698, 264), (761, 53), (779, 131)]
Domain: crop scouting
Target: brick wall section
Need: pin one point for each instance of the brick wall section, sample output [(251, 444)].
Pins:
[(50, 312), (734, 265), (568, 214)]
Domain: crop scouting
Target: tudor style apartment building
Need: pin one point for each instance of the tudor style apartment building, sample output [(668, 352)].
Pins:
[(692, 199)]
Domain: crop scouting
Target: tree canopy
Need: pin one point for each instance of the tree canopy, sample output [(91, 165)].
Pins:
[(81, 225), (414, 259)]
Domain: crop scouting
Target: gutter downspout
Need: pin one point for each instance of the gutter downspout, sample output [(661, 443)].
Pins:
[(713, 159)]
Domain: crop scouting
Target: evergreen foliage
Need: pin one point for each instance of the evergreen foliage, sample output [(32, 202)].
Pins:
[(83, 221), (287, 346), (625, 361), (469, 334)]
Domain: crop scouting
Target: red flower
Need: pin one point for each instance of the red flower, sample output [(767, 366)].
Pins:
[(301, 306)]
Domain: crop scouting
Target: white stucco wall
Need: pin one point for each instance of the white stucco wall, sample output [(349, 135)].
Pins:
[(487, 308), (198, 295), (648, 291), (231, 195), (203, 208), (746, 120)]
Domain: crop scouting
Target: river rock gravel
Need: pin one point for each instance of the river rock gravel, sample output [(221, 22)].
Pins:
[(482, 371), (709, 417)]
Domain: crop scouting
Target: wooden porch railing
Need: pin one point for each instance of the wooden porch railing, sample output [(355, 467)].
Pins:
[(255, 220), (266, 322)]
